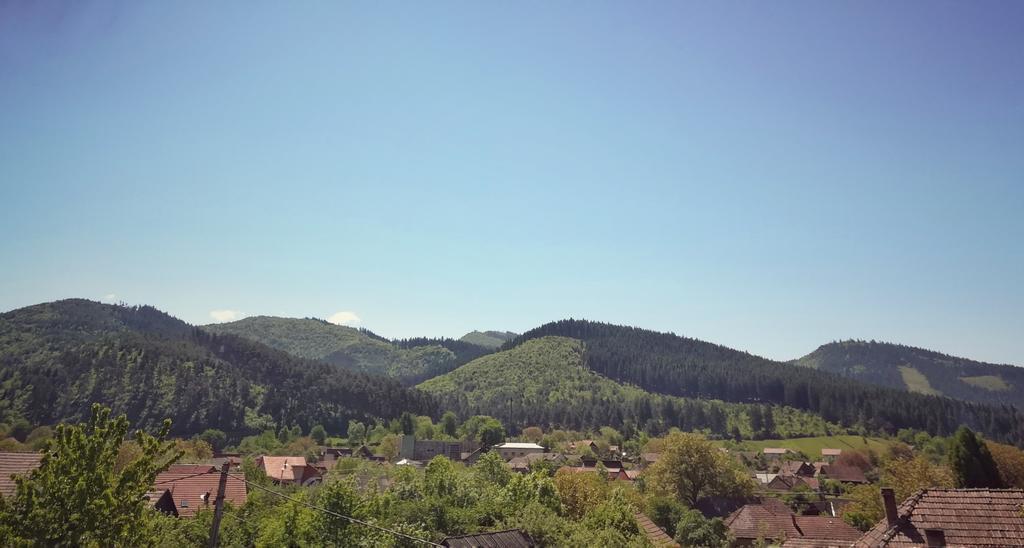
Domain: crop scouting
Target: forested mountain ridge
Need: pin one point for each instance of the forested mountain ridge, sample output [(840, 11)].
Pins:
[(544, 382), (57, 358), (920, 370), (353, 349), (680, 366), (488, 339)]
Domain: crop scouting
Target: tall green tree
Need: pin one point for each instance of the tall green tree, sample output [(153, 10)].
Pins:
[(78, 497), (449, 423), (692, 468), (971, 461)]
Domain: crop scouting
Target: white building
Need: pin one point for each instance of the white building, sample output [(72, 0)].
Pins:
[(517, 449)]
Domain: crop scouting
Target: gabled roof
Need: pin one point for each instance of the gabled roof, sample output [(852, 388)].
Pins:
[(655, 534), (520, 445), (775, 450), (829, 452), (838, 472), (650, 457), (965, 517), (287, 469), (187, 488), (16, 463), (797, 468), (775, 521), (512, 538)]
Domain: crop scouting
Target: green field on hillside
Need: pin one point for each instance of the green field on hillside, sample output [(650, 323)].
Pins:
[(812, 446)]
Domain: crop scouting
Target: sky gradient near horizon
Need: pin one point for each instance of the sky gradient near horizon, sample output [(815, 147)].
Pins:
[(770, 177)]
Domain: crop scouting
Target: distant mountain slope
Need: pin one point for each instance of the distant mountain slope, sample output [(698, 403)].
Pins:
[(680, 366), (920, 370), (353, 349), (488, 339), (544, 382), (57, 358)]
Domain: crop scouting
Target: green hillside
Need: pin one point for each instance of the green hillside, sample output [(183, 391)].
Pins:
[(57, 358), (920, 370), (352, 349), (547, 384), (488, 339), (670, 364)]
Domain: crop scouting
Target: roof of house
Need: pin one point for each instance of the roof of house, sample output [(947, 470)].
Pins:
[(188, 487), (524, 461), (829, 452), (775, 450), (520, 445), (512, 538), (283, 468), (966, 517), (775, 521), (797, 468), (650, 457), (16, 463), (655, 534), (788, 482), (839, 472)]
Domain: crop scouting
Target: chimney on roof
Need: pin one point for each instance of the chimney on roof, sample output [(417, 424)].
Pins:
[(889, 500)]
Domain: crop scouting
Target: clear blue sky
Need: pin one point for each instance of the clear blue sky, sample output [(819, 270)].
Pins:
[(769, 176)]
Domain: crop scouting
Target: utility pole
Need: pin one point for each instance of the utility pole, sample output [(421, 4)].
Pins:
[(218, 509)]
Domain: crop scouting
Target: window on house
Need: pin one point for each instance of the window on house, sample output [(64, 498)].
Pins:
[(935, 537)]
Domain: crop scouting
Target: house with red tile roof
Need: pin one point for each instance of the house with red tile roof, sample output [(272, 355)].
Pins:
[(19, 464), (754, 523), (950, 517), (193, 487), (285, 470)]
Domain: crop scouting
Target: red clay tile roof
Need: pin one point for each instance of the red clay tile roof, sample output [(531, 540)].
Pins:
[(657, 535), (15, 463), (187, 489), (284, 469), (775, 521), (967, 517), (797, 468), (513, 538)]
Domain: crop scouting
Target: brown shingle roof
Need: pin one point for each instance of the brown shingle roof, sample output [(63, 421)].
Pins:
[(513, 538), (838, 472), (966, 517), (15, 463), (656, 534), (187, 488)]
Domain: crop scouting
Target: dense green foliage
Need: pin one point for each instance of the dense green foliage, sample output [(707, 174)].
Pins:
[(353, 349), (961, 378), (488, 339), (58, 358), (971, 462), (79, 497), (544, 382), (679, 366)]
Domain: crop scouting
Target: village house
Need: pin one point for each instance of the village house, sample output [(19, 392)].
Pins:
[(289, 470), (189, 488), (774, 522), (830, 455), (774, 452), (522, 464), (647, 459), (577, 446), (423, 450), (950, 517), (514, 449), (797, 468), (841, 473), (20, 464)]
